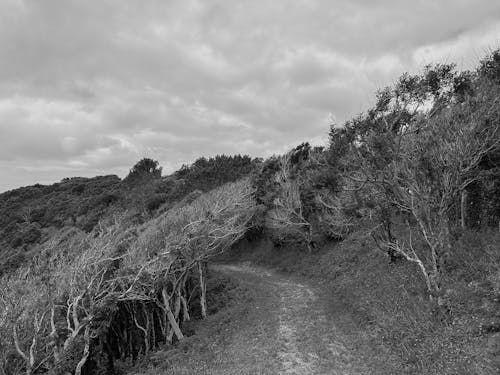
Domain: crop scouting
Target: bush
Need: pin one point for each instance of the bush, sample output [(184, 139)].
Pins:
[(156, 201), (16, 241), (78, 189), (108, 198), (90, 221), (32, 234)]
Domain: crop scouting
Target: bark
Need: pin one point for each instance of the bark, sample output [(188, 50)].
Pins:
[(74, 326), (145, 330), (177, 306), (32, 353), (170, 316), (21, 353), (185, 309), (170, 334), (153, 330), (86, 351), (203, 291), (30, 357), (463, 209), (53, 336)]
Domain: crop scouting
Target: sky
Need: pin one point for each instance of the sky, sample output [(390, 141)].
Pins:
[(90, 87)]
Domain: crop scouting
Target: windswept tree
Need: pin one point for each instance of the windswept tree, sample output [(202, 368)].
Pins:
[(414, 154), (301, 194), (432, 169)]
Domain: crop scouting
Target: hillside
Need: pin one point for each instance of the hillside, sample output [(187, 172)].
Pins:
[(32, 215), (389, 236)]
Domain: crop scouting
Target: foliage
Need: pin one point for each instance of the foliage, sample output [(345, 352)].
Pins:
[(29, 216), (84, 289), (144, 169), (412, 157), (298, 191), (206, 174)]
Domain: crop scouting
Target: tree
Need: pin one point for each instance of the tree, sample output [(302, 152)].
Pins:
[(145, 168), (417, 151), (432, 171)]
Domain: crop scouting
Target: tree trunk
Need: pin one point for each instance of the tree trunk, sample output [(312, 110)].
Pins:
[(203, 291), (53, 336), (153, 329), (446, 250), (29, 366), (170, 316), (185, 310), (177, 306), (463, 209), (86, 351), (145, 330)]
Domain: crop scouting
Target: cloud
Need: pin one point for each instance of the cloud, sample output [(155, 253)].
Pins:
[(89, 88)]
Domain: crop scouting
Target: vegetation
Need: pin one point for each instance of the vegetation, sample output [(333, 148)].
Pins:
[(405, 200), (144, 169), (88, 299), (418, 175), (31, 216), (206, 174)]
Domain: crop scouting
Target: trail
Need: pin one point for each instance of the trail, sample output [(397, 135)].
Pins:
[(287, 332)]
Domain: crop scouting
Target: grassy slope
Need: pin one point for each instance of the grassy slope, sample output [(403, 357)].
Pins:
[(383, 308)]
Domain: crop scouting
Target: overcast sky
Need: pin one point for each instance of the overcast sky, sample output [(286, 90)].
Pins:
[(90, 87)]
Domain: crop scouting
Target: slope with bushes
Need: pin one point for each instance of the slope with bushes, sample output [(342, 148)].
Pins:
[(30, 216), (89, 299)]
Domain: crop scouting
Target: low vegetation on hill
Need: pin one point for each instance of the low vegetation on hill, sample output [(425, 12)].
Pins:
[(30, 216), (399, 214)]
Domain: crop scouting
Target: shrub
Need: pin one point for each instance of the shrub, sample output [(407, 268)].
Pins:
[(108, 198), (32, 234), (156, 201)]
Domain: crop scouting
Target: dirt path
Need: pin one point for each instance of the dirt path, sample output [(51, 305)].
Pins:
[(282, 330), (302, 340)]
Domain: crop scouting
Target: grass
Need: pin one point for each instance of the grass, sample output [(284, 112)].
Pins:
[(384, 306), (227, 299)]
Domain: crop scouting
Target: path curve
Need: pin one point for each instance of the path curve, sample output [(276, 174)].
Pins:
[(305, 341)]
